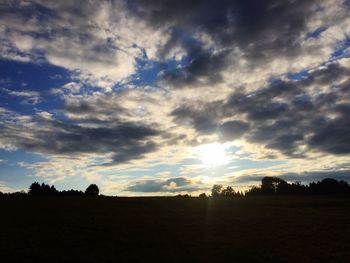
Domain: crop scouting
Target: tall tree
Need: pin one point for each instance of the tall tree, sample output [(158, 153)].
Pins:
[(216, 190), (92, 189)]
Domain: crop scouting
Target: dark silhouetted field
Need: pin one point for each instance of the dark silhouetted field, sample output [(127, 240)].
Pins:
[(56, 229)]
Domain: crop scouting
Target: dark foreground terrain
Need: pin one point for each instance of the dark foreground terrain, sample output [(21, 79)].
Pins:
[(57, 229)]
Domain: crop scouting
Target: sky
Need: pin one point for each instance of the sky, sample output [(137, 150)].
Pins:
[(166, 97)]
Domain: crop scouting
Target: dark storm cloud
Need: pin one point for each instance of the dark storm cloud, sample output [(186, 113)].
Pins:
[(333, 136), (303, 103), (288, 116), (328, 74), (260, 104), (239, 22), (125, 140), (82, 107), (203, 119), (267, 111), (172, 185), (286, 143), (103, 110), (302, 118), (231, 130), (262, 30), (205, 64), (305, 177), (133, 151)]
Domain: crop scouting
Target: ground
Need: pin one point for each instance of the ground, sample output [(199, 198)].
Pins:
[(108, 229)]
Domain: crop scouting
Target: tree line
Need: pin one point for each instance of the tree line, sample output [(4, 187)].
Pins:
[(37, 189), (219, 191), (270, 186), (273, 186)]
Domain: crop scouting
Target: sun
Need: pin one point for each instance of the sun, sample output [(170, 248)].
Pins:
[(213, 154)]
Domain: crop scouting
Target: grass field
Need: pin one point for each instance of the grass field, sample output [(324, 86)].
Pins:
[(293, 229)]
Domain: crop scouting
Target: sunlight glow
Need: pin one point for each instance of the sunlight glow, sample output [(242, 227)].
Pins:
[(213, 154)]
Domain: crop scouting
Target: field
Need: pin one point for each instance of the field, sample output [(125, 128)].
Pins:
[(104, 229)]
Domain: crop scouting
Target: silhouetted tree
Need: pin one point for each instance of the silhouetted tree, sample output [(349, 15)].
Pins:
[(34, 189), (92, 189), (43, 189), (18, 194), (277, 186), (239, 194), (228, 191), (254, 191), (329, 186), (202, 195), (216, 190), (273, 185), (184, 195)]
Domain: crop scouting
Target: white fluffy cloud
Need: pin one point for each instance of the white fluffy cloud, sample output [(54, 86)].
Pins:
[(97, 40)]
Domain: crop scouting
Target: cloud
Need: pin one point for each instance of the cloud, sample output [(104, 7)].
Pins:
[(30, 97), (241, 37), (231, 130), (124, 141), (5, 188), (131, 105), (237, 22), (334, 135), (172, 185), (294, 117), (96, 40), (203, 119), (204, 68), (68, 88), (100, 42), (269, 77), (314, 120)]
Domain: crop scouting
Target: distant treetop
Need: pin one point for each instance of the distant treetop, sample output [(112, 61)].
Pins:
[(37, 189), (277, 186), (92, 189), (42, 189)]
